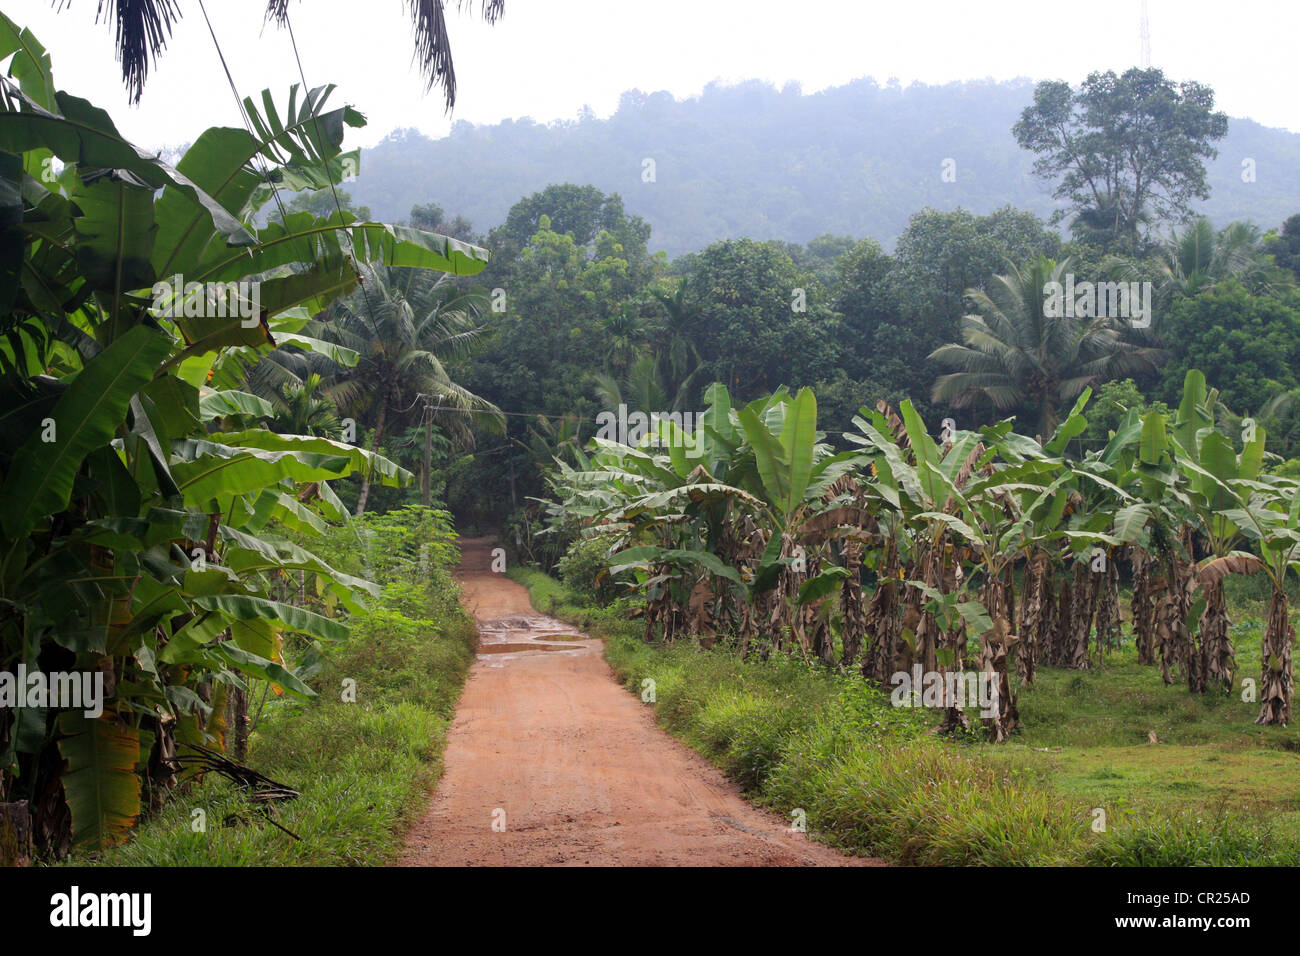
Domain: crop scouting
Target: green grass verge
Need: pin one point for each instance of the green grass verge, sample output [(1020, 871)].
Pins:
[(363, 768), (871, 778)]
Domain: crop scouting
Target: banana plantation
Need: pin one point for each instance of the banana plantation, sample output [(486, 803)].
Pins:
[(151, 531), (977, 549)]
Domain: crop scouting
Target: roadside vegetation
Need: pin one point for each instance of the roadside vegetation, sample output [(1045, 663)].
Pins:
[(873, 779), (169, 524), (364, 753)]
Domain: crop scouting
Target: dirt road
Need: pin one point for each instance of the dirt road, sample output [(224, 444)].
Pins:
[(570, 767)]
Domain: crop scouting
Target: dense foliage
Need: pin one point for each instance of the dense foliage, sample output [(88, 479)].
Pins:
[(894, 554), (155, 534)]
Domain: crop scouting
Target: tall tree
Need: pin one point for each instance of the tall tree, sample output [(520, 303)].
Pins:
[(1126, 149)]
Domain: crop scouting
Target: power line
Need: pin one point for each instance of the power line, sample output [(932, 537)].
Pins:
[(302, 75), (261, 163), (243, 113)]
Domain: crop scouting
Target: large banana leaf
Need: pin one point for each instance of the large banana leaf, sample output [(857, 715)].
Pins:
[(247, 607), (86, 417), (101, 784), (303, 238), (115, 231), (647, 554), (362, 460), (80, 133), (769, 457), (210, 470), (30, 65), (798, 439)]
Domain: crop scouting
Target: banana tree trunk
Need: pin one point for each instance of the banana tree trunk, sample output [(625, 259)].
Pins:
[(852, 612), (239, 724), (882, 624), (994, 647), (1108, 610), (1217, 661), (1035, 613), (1083, 606), (15, 834), (1178, 653), (1058, 646), (955, 642), (928, 635), (1275, 681)]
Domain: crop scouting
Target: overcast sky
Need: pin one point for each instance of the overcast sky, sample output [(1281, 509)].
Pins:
[(547, 58)]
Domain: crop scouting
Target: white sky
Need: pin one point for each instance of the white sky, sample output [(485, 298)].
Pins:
[(547, 58)]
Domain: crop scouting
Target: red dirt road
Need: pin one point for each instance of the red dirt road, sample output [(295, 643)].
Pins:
[(571, 767)]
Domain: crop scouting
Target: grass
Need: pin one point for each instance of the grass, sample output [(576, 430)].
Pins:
[(1089, 732), (363, 768), (872, 779)]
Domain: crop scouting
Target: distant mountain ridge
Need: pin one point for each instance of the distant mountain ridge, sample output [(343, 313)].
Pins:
[(752, 160)]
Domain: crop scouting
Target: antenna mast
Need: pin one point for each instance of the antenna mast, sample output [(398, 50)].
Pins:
[(1144, 38)]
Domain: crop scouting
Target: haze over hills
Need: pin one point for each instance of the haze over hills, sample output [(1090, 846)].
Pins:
[(752, 160)]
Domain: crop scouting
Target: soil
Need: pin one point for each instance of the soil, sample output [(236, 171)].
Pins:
[(550, 761)]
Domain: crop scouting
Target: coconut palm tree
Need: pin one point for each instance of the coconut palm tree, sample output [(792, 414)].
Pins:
[(304, 409), (1198, 258), (641, 389), (627, 334), (404, 325), (675, 341), (143, 27), (1195, 260), (1017, 354)]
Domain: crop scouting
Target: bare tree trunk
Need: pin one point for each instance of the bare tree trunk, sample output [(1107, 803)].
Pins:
[(374, 448)]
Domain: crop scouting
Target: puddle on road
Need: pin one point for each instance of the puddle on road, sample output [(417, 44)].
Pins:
[(521, 634), (514, 648)]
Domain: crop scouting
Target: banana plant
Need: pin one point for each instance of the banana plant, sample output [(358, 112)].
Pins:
[(1214, 475), (1271, 519), (146, 522)]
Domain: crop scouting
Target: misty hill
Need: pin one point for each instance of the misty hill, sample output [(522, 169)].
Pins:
[(751, 160)]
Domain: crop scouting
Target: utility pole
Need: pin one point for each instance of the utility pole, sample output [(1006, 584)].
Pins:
[(427, 491)]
